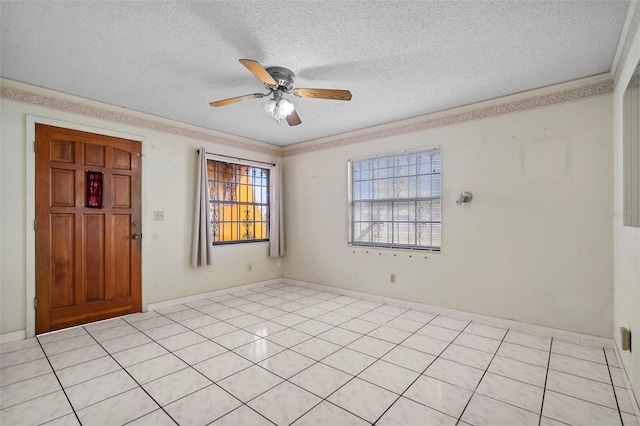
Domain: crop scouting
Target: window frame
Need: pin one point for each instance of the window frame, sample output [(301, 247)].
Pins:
[(352, 201), (248, 163)]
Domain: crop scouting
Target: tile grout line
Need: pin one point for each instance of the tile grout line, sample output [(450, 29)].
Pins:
[(354, 376), (585, 378), (423, 371), (466, 365), (286, 327), (574, 397), (28, 378), (233, 350), (311, 336), (189, 366), (85, 381), (333, 326), (613, 386), (213, 383), (319, 361), (311, 365), (253, 363), (558, 392), (159, 314), (136, 382), (61, 387), (243, 404), (482, 377), (559, 354), (229, 350), (16, 350), (546, 377), (316, 336), (328, 355)]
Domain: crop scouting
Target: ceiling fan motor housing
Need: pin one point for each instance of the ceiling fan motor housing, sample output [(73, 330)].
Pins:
[(283, 76)]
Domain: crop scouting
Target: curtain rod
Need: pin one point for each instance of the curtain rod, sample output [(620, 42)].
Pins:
[(236, 158)]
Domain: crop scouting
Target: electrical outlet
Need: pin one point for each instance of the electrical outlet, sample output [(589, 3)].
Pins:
[(249, 267), (392, 278), (158, 215)]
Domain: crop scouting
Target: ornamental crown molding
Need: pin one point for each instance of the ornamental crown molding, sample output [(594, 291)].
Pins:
[(22, 92), (549, 96)]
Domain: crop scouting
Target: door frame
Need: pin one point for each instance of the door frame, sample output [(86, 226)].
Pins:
[(30, 189)]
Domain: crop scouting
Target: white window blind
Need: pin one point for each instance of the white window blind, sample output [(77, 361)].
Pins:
[(395, 200)]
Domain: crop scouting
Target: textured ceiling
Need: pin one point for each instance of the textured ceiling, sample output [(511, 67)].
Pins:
[(400, 59)]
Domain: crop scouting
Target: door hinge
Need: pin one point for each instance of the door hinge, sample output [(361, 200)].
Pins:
[(35, 146), (35, 303), (35, 224)]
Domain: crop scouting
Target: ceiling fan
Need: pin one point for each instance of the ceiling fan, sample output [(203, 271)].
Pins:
[(279, 81)]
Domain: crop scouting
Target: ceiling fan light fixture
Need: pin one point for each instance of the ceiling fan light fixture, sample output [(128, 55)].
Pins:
[(269, 106), (278, 109)]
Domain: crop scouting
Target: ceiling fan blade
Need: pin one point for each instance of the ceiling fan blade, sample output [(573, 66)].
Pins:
[(338, 95), (293, 119), (236, 99), (259, 71)]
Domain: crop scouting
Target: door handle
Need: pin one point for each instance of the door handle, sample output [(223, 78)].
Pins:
[(136, 236)]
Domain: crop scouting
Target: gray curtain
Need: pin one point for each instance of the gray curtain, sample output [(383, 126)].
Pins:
[(276, 216), (202, 248)]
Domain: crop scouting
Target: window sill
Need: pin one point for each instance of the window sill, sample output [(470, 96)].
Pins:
[(233, 243), (396, 248)]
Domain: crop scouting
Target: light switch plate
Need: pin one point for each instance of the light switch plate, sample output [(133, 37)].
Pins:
[(158, 215)]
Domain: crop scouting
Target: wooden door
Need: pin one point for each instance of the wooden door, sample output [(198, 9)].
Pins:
[(88, 263)]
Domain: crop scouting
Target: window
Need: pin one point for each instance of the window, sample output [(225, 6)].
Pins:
[(239, 201), (395, 200)]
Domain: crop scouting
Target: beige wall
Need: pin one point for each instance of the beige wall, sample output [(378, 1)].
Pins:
[(168, 184), (626, 239), (535, 245)]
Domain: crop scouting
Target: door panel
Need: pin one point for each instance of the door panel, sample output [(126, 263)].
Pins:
[(94, 155), (93, 257), (121, 192), (121, 160), (62, 260), (63, 151), (63, 188), (88, 266), (122, 244)]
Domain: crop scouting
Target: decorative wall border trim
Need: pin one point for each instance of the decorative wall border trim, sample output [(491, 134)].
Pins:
[(549, 99), (25, 96), (628, 41)]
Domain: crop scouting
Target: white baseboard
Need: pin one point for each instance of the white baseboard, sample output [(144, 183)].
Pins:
[(193, 298), (13, 336), (539, 330)]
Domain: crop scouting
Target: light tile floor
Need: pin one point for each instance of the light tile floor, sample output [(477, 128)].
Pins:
[(290, 355)]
